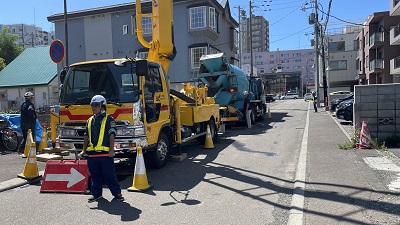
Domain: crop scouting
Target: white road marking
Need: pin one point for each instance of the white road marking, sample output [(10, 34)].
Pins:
[(297, 204)]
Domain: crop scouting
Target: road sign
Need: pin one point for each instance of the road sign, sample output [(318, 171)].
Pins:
[(57, 51), (70, 176)]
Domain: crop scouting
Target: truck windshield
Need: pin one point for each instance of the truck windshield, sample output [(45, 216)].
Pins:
[(116, 84)]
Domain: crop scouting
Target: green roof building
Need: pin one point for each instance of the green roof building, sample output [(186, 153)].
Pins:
[(34, 71)]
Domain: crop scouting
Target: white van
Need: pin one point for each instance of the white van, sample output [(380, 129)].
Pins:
[(290, 96)]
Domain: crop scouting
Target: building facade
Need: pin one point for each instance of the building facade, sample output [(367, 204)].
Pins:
[(29, 35), (395, 41), (375, 51), (301, 61), (200, 27), (255, 36), (342, 49)]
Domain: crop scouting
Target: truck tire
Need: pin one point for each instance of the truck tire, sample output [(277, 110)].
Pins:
[(213, 131), (159, 156), (253, 116)]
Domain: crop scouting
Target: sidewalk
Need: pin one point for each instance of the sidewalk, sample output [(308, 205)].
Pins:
[(341, 188)]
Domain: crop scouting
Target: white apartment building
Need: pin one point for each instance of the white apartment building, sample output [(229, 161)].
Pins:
[(30, 35)]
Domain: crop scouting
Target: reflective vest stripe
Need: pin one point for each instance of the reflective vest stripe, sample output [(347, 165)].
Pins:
[(101, 136)]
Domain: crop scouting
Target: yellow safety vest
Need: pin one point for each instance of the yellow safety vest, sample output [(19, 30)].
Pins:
[(98, 147)]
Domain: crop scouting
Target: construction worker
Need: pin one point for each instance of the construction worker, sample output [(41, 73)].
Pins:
[(99, 147), (314, 98), (247, 108), (28, 119)]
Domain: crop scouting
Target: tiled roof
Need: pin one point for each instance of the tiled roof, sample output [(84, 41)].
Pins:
[(32, 67)]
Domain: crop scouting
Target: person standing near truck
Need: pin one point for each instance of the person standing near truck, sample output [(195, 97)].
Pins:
[(99, 146), (28, 119), (247, 108)]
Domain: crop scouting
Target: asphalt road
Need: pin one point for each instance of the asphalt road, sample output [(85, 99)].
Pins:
[(253, 176)]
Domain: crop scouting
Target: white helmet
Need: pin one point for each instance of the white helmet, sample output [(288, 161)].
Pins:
[(28, 95), (245, 92), (98, 99)]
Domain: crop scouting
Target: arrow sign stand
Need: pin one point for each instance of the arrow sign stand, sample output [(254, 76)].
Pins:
[(68, 176)]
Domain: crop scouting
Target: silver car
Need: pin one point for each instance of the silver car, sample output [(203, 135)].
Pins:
[(307, 96)]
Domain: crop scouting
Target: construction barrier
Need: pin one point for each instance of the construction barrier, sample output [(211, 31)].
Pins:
[(67, 176), (140, 182), (209, 142), (365, 137), (28, 143), (44, 140), (31, 169)]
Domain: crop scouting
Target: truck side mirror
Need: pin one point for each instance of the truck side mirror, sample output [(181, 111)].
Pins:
[(142, 68)]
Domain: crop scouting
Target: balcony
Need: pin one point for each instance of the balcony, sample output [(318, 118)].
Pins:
[(376, 66), (395, 35), (395, 65), (376, 40), (394, 7)]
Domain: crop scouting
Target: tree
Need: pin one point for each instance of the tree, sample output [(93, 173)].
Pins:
[(9, 49), (2, 64)]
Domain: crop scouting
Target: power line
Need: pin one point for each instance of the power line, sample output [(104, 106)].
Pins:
[(291, 35)]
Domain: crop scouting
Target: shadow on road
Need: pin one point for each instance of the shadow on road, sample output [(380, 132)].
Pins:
[(125, 210)]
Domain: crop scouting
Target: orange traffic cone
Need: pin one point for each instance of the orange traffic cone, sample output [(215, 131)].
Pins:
[(28, 143), (209, 141), (140, 182), (365, 137), (31, 169), (43, 141)]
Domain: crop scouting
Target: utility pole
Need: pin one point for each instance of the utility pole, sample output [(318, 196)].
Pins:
[(324, 71), (240, 38), (66, 32), (250, 39), (316, 30)]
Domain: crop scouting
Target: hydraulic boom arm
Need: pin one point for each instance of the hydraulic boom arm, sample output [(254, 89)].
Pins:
[(161, 48)]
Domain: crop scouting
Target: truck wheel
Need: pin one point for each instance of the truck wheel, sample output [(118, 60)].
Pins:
[(158, 157), (253, 117), (213, 131)]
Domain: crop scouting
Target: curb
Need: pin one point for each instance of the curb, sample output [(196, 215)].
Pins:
[(18, 182)]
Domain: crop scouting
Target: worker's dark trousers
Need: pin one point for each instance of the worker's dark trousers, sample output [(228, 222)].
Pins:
[(24, 128), (100, 167)]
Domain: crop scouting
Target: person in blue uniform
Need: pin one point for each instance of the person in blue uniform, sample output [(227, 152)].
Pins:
[(99, 147), (28, 119)]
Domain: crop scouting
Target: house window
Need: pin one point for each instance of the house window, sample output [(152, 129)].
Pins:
[(125, 29), (213, 19), (336, 46), (143, 55), (195, 54), (147, 25), (338, 65), (197, 17), (236, 38)]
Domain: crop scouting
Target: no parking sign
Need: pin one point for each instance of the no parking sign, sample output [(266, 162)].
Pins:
[(57, 51)]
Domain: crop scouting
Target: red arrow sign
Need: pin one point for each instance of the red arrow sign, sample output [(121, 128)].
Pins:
[(69, 176)]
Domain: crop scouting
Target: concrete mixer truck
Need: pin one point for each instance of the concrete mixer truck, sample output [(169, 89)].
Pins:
[(226, 84)]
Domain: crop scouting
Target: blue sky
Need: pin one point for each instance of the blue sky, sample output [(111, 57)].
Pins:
[(289, 27)]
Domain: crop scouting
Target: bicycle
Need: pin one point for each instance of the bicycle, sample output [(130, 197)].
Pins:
[(9, 137)]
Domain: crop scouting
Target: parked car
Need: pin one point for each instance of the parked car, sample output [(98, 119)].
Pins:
[(345, 110), (335, 102), (290, 96), (341, 93), (307, 96), (269, 98)]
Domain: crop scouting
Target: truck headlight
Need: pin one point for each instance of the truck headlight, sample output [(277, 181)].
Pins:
[(125, 131), (139, 131), (67, 132)]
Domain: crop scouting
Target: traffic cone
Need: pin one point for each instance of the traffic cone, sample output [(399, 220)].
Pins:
[(43, 141), (269, 116), (365, 137), (28, 143), (140, 182), (31, 169), (209, 141)]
